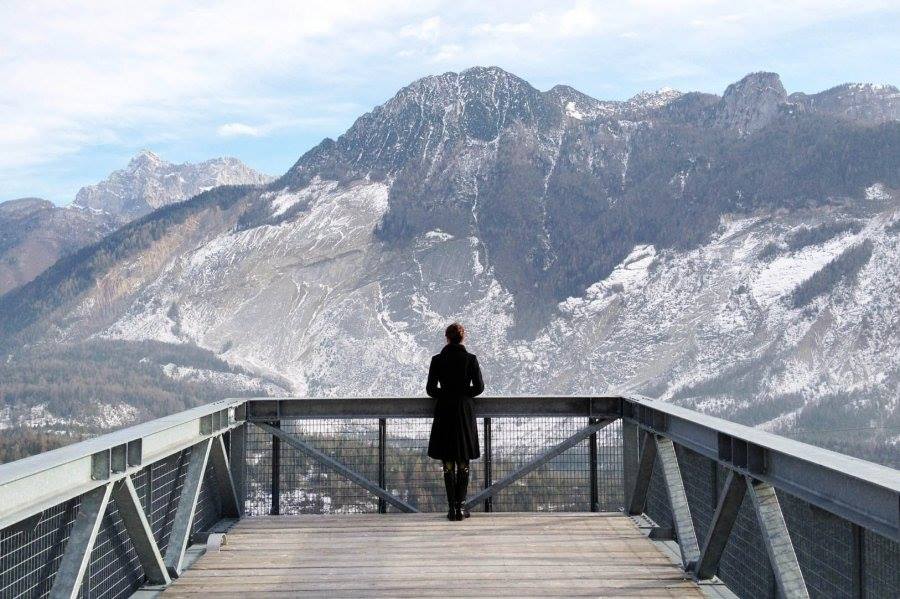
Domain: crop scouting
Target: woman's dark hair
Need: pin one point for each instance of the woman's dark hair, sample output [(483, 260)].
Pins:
[(455, 333)]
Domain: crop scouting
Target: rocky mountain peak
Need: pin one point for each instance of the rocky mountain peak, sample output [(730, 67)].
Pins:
[(751, 103), (149, 182), (145, 158), (422, 120)]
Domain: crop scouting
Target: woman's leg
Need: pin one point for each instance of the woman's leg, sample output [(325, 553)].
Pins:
[(449, 468), (462, 487)]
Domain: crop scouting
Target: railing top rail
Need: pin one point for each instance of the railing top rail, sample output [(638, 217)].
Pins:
[(877, 474), (275, 408), (30, 485), (58, 457)]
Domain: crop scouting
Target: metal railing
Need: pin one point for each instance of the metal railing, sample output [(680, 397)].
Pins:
[(767, 515)]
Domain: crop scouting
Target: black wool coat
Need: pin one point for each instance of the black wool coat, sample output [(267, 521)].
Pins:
[(454, 378)]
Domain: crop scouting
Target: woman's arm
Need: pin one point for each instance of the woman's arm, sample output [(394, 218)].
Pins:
[(476, 386), (431, 388)]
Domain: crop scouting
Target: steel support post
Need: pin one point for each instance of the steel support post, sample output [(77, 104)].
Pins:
[(858, 562), (218, 455), (187, 504), (276, 471), (138, 528), (788, 576), (488, 464), (237, 459), (382, 462), (77, 555), (631, 457), (720, 529), (592, 464), (642, 476)]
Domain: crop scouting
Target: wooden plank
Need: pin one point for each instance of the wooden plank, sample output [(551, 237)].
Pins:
[(424, 555)]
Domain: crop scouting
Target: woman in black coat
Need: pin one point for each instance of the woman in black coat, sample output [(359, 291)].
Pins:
[(454, 378)]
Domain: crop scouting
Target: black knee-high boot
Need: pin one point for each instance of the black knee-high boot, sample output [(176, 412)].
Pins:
[(450, 485), (462, 488)]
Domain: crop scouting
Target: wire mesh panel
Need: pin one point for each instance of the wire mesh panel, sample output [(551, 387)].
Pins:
[(30, 557), (825, 547), (562, 483), (304, 486), (257, 490), (610, 468), (114, 570), (30, 553), (834, 560), (880, 560)]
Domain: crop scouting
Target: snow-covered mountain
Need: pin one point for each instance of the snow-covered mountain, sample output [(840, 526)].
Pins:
[(35, 233), (148, 182), (736, 254)]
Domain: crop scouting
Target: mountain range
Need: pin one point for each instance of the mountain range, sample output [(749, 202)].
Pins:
[(737, 254), (35, 233)]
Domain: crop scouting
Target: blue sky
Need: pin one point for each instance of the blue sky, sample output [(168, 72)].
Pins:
[(88, 85)]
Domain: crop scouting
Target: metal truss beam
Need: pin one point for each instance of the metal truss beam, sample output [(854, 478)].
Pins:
[(722, 523), (653, 447), (681, 512), (539, 461), (333, 464), (77, 555), (139, 531), (187, 504), (777, 540)]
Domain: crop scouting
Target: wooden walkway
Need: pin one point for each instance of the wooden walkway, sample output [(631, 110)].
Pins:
[(424, 555)]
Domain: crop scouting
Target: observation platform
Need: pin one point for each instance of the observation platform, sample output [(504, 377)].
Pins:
[(511, 554)]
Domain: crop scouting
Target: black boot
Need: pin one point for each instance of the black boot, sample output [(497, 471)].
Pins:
[(450, 485), (462, 488)]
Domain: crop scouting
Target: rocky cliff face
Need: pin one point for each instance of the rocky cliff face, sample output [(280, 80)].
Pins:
[(752, 103), (736, 254)]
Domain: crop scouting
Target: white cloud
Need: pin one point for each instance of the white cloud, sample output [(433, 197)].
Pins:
[(238, 129), (427, 31)]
